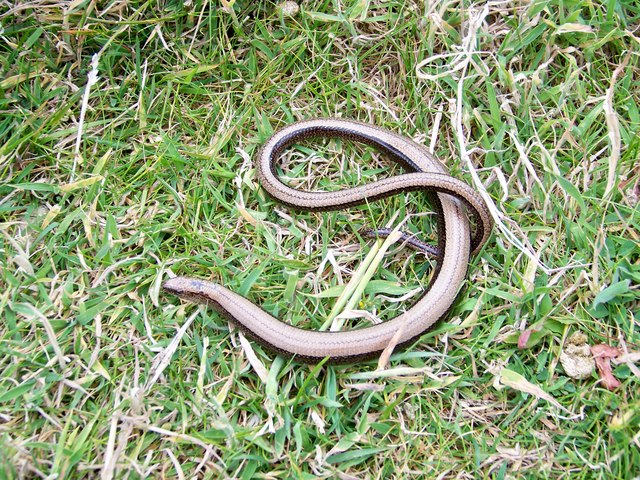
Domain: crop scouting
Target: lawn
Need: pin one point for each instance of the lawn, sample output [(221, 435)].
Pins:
[(128, 131)]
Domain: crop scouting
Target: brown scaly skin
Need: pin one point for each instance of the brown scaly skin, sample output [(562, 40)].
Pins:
[(455, 245)]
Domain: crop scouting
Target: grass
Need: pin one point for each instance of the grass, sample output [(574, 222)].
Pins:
[(107, 187)]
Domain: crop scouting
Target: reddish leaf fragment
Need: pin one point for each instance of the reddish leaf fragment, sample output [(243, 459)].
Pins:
[(603, 355), (524, 338)]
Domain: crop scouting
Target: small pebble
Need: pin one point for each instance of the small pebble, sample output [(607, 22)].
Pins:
[(576, 358), (289, 9)]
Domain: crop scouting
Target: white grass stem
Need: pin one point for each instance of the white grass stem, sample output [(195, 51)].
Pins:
[(92, 79)]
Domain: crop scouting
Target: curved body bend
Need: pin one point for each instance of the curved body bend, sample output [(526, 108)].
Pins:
[(454, 201)]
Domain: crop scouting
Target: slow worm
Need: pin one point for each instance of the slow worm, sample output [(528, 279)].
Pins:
[(453, 202)]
